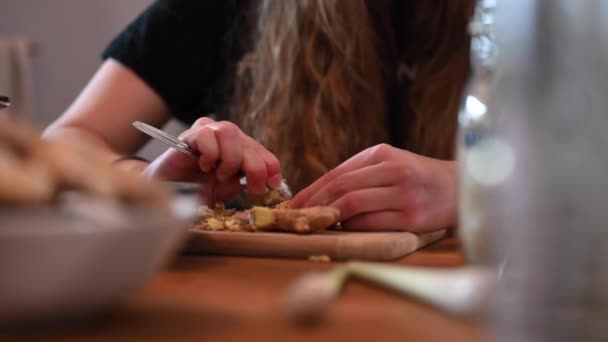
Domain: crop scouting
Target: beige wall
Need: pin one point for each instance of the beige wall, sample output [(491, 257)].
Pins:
[(70, 35)]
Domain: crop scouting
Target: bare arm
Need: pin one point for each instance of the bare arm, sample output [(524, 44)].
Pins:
[(103, 112), (115, 97)]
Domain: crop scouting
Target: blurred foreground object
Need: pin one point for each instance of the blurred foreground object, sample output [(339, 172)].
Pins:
[(462, 291), (36, 172), (533, 161), (78, 236), (80, 258)]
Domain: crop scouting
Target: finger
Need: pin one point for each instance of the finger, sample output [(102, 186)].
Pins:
[(206, 145), (224, 192), (273, 167), (377, 175), (202, 139), (212, 191), (369, 156), (254, 167), (200, 122), (368, 200), (231, 153), (386, 220), (203, 121), (304, 196), (173, 165)]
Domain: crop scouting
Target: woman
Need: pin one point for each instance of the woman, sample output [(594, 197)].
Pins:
[(368, 88)]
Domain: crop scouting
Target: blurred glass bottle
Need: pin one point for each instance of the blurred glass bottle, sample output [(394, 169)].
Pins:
[(477, 132), (533, 155)]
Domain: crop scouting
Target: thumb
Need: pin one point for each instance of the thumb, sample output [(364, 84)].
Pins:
[(173, 165)]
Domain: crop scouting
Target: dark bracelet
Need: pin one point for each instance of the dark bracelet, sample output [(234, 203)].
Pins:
[(123, 158)]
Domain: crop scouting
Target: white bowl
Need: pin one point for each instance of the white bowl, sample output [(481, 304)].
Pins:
[(58, 264)]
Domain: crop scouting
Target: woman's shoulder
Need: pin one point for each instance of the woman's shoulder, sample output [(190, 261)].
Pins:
[(178, 48), (180, 24)]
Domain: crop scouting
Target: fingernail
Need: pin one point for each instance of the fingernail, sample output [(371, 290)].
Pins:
[(275, 181)]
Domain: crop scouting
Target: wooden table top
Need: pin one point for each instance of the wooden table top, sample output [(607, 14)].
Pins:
[(240, 299)]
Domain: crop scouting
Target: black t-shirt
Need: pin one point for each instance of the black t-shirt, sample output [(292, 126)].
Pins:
[(184, 50), (187, 51)]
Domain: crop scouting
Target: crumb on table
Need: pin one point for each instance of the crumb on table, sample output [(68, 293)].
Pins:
[(319, 258)]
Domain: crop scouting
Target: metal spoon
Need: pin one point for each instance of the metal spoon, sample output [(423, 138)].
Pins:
[(166, 138), (181, 146)]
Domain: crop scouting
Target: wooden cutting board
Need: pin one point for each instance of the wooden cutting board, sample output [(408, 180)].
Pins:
[(338, 245)]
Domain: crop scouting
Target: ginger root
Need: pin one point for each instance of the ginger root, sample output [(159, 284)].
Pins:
[(303, 220), (278, 218)]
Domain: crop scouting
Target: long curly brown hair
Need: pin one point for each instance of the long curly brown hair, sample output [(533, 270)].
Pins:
[(315, 88)]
